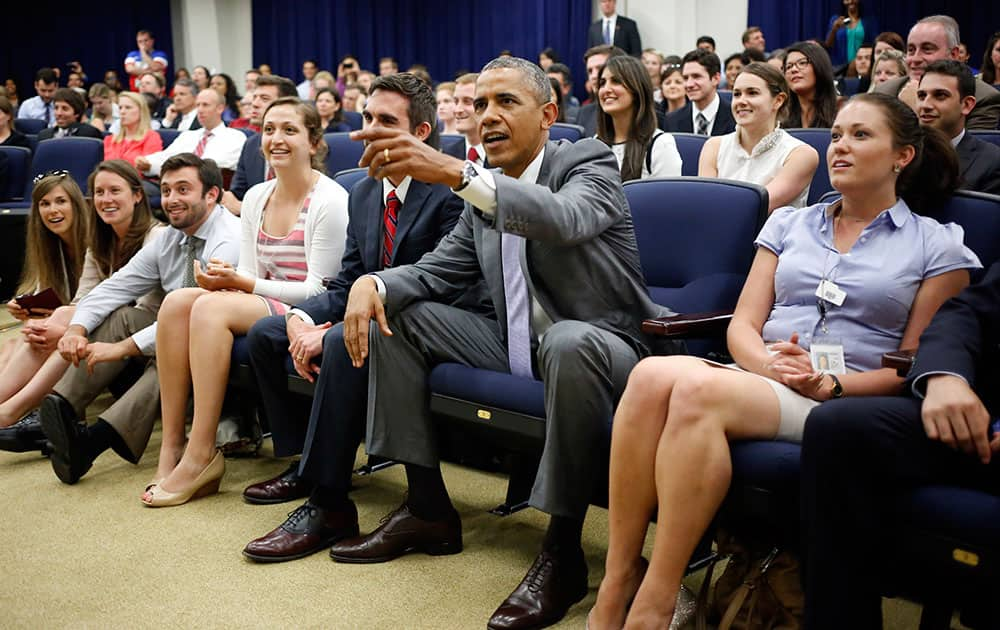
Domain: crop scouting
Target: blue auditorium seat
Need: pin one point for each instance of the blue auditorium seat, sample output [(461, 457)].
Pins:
[(354, 119), (29, 125), (818, 139), (349, 177), (18, 164), (565, 131), (168, 136), (689, 146), (79, 156), (993, 137), (344, 152)]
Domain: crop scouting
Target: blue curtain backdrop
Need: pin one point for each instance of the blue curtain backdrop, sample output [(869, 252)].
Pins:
[(42, 34), (446, 36), (787, 21)]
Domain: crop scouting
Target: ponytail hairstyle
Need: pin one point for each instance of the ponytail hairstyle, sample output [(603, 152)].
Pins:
[(933, 173), (110, 254), (312, 123)]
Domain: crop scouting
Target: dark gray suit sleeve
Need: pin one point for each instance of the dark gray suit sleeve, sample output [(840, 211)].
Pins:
[(587, 203), (986, 114)]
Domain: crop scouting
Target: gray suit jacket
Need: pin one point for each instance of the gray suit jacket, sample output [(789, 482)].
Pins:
[(580, 256), (980, 163), (985, 115)]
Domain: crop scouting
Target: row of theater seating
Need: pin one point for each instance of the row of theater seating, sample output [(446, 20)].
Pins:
[(943, 542)]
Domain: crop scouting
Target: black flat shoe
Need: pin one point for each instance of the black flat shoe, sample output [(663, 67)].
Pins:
[(24, 436), (70, 456)]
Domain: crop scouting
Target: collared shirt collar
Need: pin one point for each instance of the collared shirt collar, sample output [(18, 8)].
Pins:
[(205, 230), (530, 174), (213, 129), (401, 190), (958, 138), (898, 213), (710, 111), (480, 151)]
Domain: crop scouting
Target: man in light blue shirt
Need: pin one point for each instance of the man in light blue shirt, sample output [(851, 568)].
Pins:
[(118, 331), (41, 107)]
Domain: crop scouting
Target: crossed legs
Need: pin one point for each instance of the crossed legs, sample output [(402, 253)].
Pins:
[(194, 339), (30, 374), (670, 453)]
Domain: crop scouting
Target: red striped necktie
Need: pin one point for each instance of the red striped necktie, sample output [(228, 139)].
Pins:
[(200, 149), (392, 206)]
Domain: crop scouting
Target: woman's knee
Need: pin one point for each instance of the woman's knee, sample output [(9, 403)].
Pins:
[(695, 394), (177, 304)]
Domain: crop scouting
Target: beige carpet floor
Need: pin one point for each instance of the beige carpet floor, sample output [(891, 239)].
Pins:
[(92, 556)]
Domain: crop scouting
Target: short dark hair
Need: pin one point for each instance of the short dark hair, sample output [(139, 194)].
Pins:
[(750, 31), (312, 61), (705, 39), (285, 86), (145, 31), (562, 70), (603, 49), (189, 84), (708, 60), (208, 171), (72, 98), (750, 55), (160, 81), (391, 60), (551, 53), (957, 69), (46, 75), (422, 106)]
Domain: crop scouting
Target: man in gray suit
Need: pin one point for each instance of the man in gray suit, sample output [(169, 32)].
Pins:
[(933, 38), (552, 237)]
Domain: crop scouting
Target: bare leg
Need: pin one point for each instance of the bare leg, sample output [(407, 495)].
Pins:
[(215, 319), (709, 406), (24, 382), (7, 351), (639, 421), (172, 366)]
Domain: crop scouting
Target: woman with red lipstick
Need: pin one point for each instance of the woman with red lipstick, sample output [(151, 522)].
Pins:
[(294, 229), (814, 93), (760, 151), (881, 272), (124, 223)]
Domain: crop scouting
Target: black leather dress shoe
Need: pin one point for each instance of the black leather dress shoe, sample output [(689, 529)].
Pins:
[(287, 486), (24, 435), (542, 598), (401, 532), (70, 456), (307, 529)]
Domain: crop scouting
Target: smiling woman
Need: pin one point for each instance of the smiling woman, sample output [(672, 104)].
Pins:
[(123, 224), (293, 236)]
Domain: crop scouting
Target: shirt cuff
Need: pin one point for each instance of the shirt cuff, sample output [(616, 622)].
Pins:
[(304, 316), (481, 191), (145, 340), (380, 285), (919, 385)]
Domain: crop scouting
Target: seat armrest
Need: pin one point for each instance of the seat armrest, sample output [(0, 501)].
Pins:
[(899, 360), (710, 324)]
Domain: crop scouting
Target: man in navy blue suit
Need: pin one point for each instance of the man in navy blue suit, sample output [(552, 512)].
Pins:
[(615, 30), (859, 453), (391, 224), (706, 113), (251, 169)]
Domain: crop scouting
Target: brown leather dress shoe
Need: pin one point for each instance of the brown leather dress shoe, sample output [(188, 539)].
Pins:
[(544, 595), (287, 486), (401, 532), (307, 529)]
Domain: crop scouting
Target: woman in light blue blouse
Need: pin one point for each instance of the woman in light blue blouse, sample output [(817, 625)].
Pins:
[(882, 272)]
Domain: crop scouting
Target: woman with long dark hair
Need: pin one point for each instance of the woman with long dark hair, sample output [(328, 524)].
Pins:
[(991, 62), (627, 121), (814, 94), (224, 85)]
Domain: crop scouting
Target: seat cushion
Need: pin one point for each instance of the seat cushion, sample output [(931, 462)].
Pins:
[(489, 389), (768, 465)]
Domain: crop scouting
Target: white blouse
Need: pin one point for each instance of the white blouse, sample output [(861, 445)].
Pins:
[(760, 165)]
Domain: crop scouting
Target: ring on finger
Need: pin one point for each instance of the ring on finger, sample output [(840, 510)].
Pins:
[(385, 154)]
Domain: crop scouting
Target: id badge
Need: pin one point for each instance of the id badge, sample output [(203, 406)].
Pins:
[(829, 291), (827, 355)]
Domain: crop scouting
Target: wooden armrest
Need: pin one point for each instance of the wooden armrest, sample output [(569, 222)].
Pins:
[(899, 360), (689, 324)]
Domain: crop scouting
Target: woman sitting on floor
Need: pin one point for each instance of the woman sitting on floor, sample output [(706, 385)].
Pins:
[(294, 231), (759, 151), (881, 270)]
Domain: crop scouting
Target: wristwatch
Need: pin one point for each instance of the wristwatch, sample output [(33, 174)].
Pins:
[(838, 389), (468, 173)]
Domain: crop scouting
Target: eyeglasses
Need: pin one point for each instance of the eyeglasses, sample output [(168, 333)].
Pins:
[(801, 64), (41, 176)]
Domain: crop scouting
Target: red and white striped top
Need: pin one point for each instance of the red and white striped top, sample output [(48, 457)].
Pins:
[(283, 257)]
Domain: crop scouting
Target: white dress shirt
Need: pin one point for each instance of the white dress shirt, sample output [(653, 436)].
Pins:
[(224, 147), (709, 113), (34, 108)]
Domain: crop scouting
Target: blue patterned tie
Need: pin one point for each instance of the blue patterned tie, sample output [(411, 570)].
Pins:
[(516, 297), (607, 32)]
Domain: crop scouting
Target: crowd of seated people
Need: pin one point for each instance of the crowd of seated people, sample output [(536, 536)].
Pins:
[(313, 273)]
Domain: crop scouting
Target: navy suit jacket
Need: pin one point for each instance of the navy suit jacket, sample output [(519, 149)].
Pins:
[(455, 149), (963, 339), (76, 130), (428, 214), (250, 168), (980, 163), (626, 35), (680, 120)]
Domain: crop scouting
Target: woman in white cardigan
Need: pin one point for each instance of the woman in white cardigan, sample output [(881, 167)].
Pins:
[(294, 232)]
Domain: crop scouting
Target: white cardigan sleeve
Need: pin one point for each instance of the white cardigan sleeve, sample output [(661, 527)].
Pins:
[(325, 238)]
